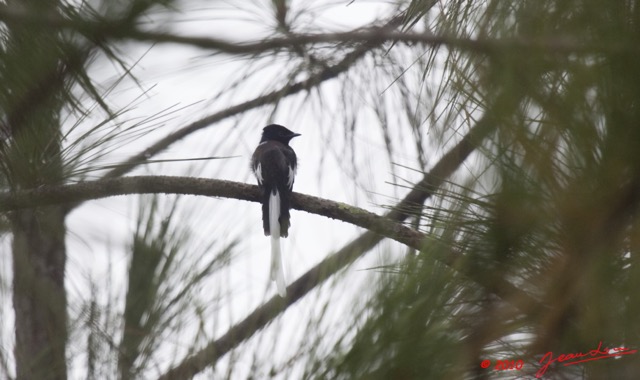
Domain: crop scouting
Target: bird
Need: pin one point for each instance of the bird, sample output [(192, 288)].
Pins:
[(274, 164)]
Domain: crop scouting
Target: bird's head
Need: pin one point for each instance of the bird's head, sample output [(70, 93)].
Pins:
[(275, 132)]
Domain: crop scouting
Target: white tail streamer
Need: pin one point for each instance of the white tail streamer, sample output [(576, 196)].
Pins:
[(277, 266)]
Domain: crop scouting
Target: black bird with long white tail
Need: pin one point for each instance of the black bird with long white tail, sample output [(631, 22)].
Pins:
[(274, 164)]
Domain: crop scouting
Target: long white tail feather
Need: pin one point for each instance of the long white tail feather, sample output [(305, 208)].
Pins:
[(277, 267)]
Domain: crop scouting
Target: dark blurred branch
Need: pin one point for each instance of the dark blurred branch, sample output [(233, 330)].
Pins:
[(113, 29), (382, 35)]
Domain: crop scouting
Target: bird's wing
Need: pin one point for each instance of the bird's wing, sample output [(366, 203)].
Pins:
[(292, 165), (274, 164)]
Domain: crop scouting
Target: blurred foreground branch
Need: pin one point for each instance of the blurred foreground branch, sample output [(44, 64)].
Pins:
[(382, 35), (100, 29)]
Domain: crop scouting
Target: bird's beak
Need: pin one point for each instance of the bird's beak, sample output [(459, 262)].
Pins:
[(295, 135)]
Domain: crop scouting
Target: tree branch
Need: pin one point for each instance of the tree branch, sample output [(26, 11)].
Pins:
[(84, 191), (383, 35), (115, 29)]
